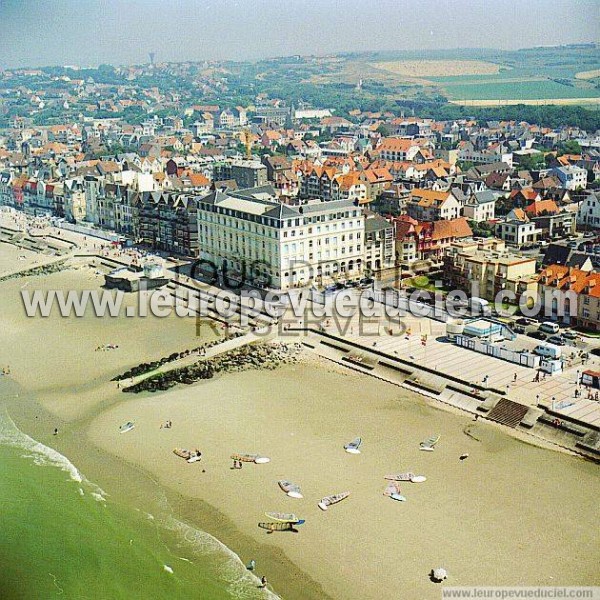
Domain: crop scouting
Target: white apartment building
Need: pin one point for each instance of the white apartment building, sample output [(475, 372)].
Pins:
[(588, 213), (571, 177), (485, 157), (251, 236), (518, 233)]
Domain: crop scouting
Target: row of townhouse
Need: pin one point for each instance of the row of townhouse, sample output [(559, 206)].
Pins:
[(419, 241), (571, 295), (329, 183)]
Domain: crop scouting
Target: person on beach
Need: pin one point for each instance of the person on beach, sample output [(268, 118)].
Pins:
[(263, 582)]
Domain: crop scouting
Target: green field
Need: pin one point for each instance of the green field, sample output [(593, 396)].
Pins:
[(521, 90), (528, 75)]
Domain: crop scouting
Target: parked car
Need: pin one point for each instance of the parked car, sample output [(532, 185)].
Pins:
[(519, 329), (557, 340), (538, 335), (366, 282), (525, 321), (570, 335)]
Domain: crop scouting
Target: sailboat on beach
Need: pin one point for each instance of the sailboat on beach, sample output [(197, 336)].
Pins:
[(429, 444), (291, 489), (353, 446)]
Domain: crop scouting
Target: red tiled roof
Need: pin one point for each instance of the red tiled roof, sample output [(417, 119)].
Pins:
[(535, 209)]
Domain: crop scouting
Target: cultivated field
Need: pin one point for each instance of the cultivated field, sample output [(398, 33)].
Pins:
[(545, 101), (588, 74), (438, 68)]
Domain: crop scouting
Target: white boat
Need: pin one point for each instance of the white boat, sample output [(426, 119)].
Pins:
[(393, 491), (429, 444), (327, 501), (127, 427), (255, 458), (353, 446), (283, 517), (407, 477), (291, 489)]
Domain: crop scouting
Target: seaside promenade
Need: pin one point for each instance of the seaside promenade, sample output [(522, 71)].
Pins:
[(420, 342)]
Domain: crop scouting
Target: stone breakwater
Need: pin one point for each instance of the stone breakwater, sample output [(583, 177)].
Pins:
[(54, 267), (144, 368), (252, 356)]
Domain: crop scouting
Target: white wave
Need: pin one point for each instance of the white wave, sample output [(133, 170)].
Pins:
[(42, 455), (242, 584)]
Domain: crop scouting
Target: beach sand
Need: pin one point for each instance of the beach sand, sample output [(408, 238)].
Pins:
[(511, 514), (487, 519), (13, 258)]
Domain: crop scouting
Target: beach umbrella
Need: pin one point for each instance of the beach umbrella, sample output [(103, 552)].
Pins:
[(440, 574)]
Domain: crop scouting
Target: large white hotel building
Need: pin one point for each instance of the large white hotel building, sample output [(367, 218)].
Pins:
[(250, 235)]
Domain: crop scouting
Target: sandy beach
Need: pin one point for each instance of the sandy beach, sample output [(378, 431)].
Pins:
[(511, 514)]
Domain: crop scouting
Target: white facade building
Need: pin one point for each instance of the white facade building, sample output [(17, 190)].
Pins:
[(251, 236), (571, 177), (518, 233), (588, 213)]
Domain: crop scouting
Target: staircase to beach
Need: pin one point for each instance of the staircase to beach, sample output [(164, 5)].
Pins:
[(508, 413)]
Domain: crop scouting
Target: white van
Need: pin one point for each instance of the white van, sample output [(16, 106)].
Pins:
[(549, 327), (479, 306), (548, 351)]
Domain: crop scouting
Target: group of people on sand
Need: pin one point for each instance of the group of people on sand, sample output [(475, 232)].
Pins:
[(166, 425), (5, 370)]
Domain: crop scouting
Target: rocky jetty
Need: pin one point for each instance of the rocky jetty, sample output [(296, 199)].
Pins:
[(54, 267), (143, 368), (251, 356)]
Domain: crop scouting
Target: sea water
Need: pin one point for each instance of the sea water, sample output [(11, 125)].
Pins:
[(62, 536)]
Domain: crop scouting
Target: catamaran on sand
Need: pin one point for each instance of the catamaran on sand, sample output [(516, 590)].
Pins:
[(392, 491), (283, 517), (291, 489), (250, 458), (277, 526), (353, 446), (188, 455), (429, 444), (406, 477), (328, 501)]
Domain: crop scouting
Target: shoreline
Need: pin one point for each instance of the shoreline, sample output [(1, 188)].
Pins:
[(300, 415), (189, 511)]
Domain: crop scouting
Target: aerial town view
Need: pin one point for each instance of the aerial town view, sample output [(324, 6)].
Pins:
[(299, 300)]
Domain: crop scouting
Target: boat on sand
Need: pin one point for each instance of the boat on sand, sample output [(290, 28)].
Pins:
[(429, 444), (406, 477), (251, 458), (283, 517), (276, 526), (127, 427), (291, 489), (392, 491), (328, 501), (188, 455), (353, 446)]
